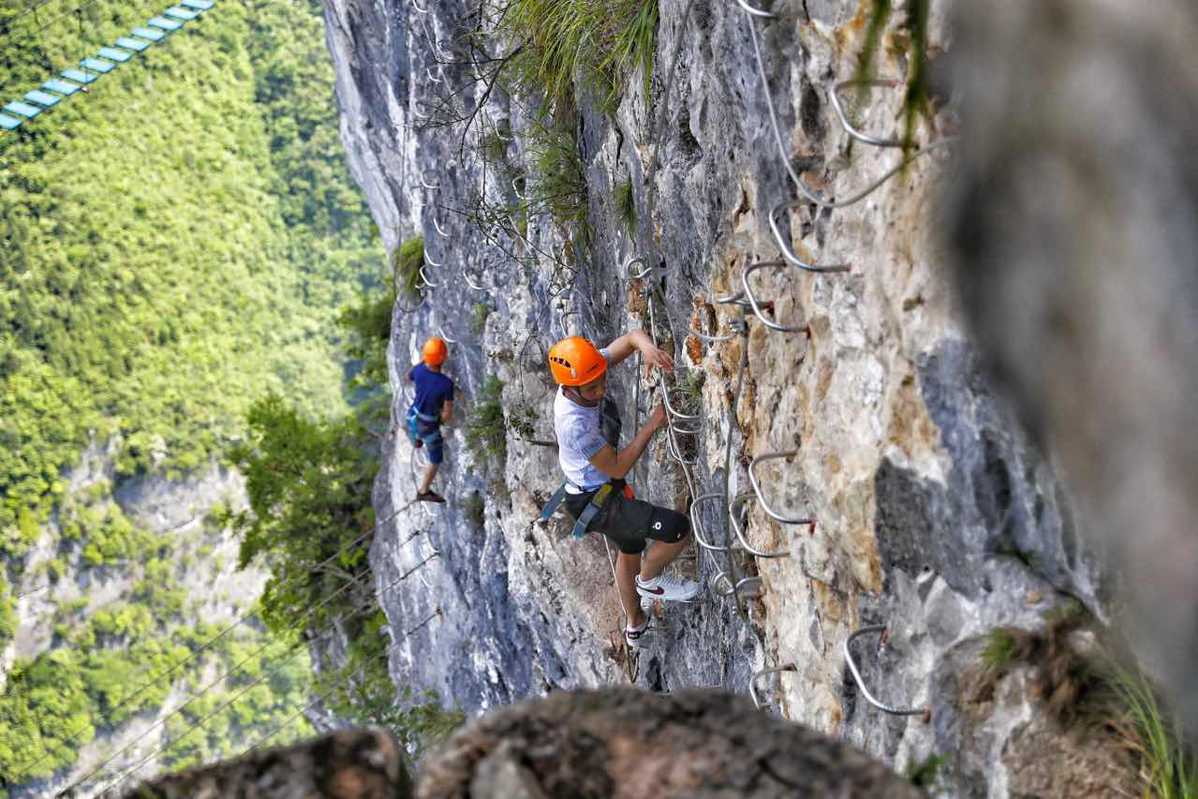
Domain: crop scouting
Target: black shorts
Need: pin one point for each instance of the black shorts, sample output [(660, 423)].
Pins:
[(630, 523)]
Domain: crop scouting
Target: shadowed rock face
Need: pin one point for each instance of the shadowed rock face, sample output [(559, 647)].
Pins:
[(623, 743), (348, 764), (1071, 227)]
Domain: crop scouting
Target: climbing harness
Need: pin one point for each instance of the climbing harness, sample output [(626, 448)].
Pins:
[(592, 510), (602, 495)]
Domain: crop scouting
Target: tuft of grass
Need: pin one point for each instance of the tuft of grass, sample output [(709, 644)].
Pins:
[(1167, 768), (633, 47), (626, 204), (1087, 685), (478, 321), (522, 421), (916, 100), (406, 261), (924, 773), (494, 148), (559, 180), (1001, 648), (599, 43), (486, 431)]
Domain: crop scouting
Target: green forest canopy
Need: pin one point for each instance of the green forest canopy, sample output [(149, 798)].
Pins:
[(173, 245)]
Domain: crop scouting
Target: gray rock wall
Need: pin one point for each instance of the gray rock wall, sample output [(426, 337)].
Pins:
[(935, 515)]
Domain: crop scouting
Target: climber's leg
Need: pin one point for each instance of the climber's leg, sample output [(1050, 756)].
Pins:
[(627, 566)]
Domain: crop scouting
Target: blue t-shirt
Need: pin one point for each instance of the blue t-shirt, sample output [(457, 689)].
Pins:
[(433, 389)]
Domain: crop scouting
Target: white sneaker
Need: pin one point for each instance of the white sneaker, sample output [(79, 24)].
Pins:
[(635, 636), (668, 587)]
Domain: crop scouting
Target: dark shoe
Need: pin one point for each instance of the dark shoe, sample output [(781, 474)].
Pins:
[(634, 637), (429, 496), (418, 443)]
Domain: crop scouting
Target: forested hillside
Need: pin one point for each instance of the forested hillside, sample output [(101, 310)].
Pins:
[(176, 245)]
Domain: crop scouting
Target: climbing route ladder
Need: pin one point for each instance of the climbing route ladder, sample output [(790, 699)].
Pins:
[(75, 80)]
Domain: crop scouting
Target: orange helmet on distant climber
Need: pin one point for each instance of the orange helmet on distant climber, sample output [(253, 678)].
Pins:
[(434, 351), (575, 361)]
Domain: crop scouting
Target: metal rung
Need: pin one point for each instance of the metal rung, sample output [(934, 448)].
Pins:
[(637, 260), (784, 245), (710, 339), (179, 12), (63, 87), (130, 43), (428, 260), (812, 195), (168, 25), (437, 226), (696, 525), (756, 307), (416, 6), (675, 451), (753, 680), (78, 75), (427, 282), (472, 284), (425, 183), (773, 514), (757, 12), (113, 54), (857, 134), (745, 585), (44, 99), (740, 534), (733, 299), (665, 395), (22, 109), (98, 65), (10, 123), (150, 34), (848, 656), (448, 340)]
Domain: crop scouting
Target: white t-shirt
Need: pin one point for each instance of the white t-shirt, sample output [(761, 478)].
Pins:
[(579, 438)]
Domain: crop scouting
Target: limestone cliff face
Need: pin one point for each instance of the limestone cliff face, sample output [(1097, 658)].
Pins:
[(934, 515)]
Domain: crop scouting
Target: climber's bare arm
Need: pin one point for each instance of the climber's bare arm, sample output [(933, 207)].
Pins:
[(638, 341)]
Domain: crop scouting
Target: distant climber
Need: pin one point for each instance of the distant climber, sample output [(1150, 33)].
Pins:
[(432, 407), (595, 491)]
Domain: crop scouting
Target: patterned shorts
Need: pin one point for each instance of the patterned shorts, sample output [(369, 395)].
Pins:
[(427, 432)]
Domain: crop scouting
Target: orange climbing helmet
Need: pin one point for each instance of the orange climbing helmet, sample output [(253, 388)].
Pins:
[(434, 352), (575, 361)]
